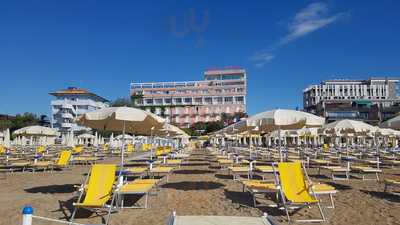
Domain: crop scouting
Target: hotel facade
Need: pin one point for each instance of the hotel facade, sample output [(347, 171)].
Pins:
[(185, 103), (373, 100), (71, 103)]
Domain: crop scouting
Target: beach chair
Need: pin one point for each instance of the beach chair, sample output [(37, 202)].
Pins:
[(220, 220), (63, 159), (160, 171), (336, 171), (237, 171), (136, 187), (77, 150), (367, 170), (98, 189), (263, 170), (294, 188), (259, 187), (137, 171), (391, 183)]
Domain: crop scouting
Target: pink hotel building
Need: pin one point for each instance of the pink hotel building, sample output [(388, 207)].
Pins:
[(188, 102)]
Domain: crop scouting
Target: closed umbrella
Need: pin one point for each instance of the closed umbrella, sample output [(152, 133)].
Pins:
[(7, 142)]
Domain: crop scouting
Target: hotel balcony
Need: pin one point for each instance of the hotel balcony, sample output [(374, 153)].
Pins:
[(67, 116), (66, 125)]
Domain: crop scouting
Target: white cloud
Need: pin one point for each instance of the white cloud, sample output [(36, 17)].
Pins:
[(315, 16), (261, 58)]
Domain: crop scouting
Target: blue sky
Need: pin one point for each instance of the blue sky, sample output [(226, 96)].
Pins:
[(46, 45)]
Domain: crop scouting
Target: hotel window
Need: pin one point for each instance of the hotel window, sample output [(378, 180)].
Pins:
[(218, 91), (178, 100), (198, 100), (228, 99), (149, 101), (205, 91), (239, 89), (208, 100), (167, 101), (139, 101), (188, 100), (239, 99), (218, 100), (159, 101)]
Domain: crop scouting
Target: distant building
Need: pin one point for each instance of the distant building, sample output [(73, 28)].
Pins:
[(71, 103), (373, 100), (185, 103)]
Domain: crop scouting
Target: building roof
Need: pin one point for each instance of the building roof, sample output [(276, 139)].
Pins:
[(77, 91)]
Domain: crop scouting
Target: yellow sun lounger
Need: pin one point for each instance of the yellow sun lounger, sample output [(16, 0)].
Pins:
[(63, 160), (259, 187), (136, 171), (137, 187), (336, 170), (160, 170), (98, 190), (294, 189), (263, 170), (365, 170), (236, 171), (391, 182), (324, 189)]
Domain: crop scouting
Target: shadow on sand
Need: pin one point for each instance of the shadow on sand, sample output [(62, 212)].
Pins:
[(383, 195), (193, 185), (193, 171), (53, 189)]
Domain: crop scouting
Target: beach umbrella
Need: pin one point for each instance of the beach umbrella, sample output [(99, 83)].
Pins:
[(393, 123), (7, 142), (36, 131), (346, 126), (283, 119), (96, 140), (280, 119), (70, 140), (122, 119)]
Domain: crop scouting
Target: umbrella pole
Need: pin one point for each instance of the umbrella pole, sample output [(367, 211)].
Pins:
[(377, 150), (280, 144), (120, 177)]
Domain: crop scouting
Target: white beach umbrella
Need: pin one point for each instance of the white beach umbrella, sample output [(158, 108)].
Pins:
[(393, 123), (71, 141), (7, 142), (36, 131), (23, 140), (111, 140), (125, 119), (343, 127), (281, 119), (96, 140)]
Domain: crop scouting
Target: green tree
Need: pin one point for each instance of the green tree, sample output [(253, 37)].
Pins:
[(5, 124), (122, 102)]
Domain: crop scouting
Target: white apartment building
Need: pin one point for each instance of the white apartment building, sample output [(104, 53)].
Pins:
[(382, 91), (71, 103)]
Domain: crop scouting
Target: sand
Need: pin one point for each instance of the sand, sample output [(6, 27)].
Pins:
[(197, 189)]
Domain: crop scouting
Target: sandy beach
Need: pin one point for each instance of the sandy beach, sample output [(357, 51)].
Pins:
[(200, 188)]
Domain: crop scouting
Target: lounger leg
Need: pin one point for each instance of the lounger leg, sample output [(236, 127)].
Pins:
[(321, 212), (332, 202), (71, 219), (145, 204), (377, 176), (110, 209)]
